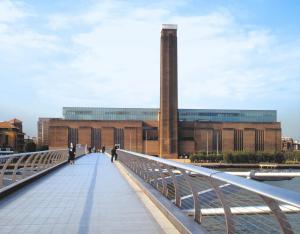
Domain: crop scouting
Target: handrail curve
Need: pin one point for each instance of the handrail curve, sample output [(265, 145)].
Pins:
[(218, 201)]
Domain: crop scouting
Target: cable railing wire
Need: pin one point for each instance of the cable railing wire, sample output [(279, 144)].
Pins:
[(218, 201)]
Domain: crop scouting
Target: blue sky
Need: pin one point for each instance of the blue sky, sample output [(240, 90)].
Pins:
[(232, 55)]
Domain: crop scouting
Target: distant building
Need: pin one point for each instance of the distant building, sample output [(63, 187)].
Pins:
[(11, 135), (34, 139), (296, 145), (168, 131), (43, 132), (29, 139), (289, 144)]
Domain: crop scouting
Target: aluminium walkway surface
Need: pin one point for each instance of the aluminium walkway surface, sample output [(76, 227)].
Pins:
[(88, 197)]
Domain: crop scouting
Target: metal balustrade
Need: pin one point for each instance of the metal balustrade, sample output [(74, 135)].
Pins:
[(219, 202), (16, 167)]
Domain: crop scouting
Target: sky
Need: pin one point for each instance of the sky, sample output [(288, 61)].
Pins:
[(231, 55)]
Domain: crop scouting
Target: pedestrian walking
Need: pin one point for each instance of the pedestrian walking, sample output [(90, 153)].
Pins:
[(72, 152), (114, 154), (103, 149)]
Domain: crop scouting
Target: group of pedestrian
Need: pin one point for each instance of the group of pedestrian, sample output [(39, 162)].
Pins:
[(72, 153)]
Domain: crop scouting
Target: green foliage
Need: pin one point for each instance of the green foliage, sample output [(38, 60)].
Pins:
[(203, 157), (42, 148), (228, 158), (247, 157), (30, 147), (292, 156)]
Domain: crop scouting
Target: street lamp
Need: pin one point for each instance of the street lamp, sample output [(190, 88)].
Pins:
[(130, 140), (206, 143), (146, 142)]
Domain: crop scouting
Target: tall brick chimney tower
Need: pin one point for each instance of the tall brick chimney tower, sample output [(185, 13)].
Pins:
[(168, 115)]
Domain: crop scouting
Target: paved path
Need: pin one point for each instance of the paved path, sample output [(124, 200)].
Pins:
[(88, 197)]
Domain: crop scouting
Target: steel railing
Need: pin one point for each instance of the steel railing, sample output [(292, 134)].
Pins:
[(220, 202), (16, 167)]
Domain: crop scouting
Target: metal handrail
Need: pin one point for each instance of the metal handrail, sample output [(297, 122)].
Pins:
[(30, 163), (27, 153), (283, 195), (231, 200)]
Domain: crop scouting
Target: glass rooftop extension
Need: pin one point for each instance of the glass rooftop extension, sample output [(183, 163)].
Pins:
[(143, 114)]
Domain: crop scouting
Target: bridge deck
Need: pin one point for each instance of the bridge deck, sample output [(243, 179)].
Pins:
[(88, 197)]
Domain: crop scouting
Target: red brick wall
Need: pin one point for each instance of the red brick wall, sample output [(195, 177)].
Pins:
[(249, 140), (84, 136), (108, 136), (58, 137)]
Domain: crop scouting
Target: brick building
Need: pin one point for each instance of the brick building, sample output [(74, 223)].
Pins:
[(289, 144), (168, 131), (43, 134), (11, 135)]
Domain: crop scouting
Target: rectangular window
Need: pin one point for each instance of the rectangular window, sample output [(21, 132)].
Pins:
[(150, 134), (217, 140), (73, 136), (238, 140), (119, 137), (186, 134), (96, 138), (259, 140)]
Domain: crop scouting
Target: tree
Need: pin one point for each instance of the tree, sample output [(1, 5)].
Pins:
[(30, 147), (42, 148)]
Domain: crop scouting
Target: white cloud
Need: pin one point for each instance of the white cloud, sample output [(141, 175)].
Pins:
[(17, 37), (109, 56), (218, 58), (11, 11), (29, 39)]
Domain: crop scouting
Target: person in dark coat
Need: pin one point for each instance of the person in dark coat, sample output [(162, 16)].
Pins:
[(72, 151), (103, 149), (114, 153)]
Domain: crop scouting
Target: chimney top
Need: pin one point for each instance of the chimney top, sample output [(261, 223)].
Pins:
[(169, 26)]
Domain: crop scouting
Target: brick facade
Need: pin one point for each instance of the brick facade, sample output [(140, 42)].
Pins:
[(198, 136)]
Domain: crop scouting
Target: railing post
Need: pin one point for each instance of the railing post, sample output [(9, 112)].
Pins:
[(43, 155), (146, 171), (197, 214), (59, 158), (14, 174), (139, 168), (176, 187), (133, 166), (44, 162), (54, 158), (34, 160), (279, 215), (227, 211), (153, 168), (143, 171), (26, 163), (48, 161), (4, 169), (164, 181)]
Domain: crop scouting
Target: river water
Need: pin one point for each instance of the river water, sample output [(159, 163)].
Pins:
[(293, 184)]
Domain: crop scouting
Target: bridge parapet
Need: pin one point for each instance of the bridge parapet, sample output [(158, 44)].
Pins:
[(17, 167), (220, 202)]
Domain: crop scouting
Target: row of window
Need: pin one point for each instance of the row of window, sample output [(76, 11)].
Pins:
[(184, 135), (76, 113)]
